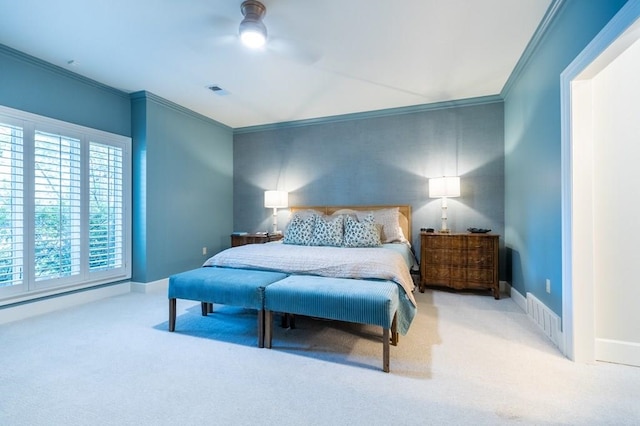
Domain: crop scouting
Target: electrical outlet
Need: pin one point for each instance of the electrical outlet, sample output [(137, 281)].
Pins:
[(548, 285), (204, 251)]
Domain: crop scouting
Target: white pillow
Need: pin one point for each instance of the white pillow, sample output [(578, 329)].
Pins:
[(345, 212), (307, 212), (389, 220)]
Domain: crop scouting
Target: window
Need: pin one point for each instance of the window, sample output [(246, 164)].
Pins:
[(64, 206), (105, 207), (11, 205), (56, 199)]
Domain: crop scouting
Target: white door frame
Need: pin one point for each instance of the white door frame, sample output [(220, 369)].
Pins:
[(578, 323)]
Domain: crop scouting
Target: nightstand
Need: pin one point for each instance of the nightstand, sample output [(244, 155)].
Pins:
[(240, 240), (460, 261)]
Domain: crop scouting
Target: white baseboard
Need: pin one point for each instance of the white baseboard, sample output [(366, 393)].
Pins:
[(38, 307), (617, 351), (518, 298), (546, 319), (548, 322), (160, 285)]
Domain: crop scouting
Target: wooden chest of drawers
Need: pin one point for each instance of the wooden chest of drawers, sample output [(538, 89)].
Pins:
[(240, 240), (460, 261)]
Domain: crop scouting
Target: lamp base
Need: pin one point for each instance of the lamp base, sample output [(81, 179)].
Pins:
[(444, 229), (275, 220)]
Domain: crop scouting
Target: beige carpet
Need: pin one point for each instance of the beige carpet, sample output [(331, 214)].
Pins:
[(468, 359)]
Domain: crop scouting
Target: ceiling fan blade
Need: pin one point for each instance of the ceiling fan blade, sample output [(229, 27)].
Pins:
[(294, 51), (216, 31)]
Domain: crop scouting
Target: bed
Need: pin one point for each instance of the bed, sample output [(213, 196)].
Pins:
[(355, 258)]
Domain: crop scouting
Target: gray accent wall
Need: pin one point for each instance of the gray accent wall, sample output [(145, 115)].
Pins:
[(380, 160)]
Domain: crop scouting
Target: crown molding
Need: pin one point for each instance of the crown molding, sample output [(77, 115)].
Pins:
[(370, 114), (47, 66), (532, 46), (149, 96)]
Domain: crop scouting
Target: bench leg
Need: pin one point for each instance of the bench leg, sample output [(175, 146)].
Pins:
[(288, 321), (385, 350), (172, 314), (395, 338), (292, 321), (261, 328), (206, 308), (268, 328)]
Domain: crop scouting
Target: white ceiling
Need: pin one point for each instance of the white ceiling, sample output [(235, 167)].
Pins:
[(323, 57)]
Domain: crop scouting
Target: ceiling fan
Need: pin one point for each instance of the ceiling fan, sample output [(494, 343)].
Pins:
[(252, 33)]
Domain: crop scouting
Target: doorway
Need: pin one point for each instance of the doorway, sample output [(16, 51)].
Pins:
[(600, 152)]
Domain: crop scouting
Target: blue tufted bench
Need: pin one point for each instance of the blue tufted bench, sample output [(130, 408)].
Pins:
[(360, 301), (226, 286)]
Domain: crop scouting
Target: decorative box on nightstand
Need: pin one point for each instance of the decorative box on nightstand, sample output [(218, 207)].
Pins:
[(242, 239), (460, 261)]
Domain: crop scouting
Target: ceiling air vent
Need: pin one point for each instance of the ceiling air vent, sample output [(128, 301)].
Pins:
[(218, 90)]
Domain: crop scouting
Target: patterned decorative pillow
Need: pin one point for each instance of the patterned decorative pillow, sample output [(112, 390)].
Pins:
[(328, 231), (361, 234), (300, 230), (389, 220)]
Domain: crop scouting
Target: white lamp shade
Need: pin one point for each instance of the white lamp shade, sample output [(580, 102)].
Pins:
[(276, 199), (444, 187)]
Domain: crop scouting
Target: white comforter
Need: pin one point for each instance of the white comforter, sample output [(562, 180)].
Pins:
[(337, 262)]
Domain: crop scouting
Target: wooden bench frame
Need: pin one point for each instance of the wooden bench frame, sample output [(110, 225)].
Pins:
[(338, 299), (389, 336), (204, 283)]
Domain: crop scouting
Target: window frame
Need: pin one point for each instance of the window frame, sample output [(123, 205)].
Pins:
[(30, 288)]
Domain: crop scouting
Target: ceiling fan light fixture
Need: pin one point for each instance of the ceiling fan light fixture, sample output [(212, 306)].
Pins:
[(252, 31), (253, 36)]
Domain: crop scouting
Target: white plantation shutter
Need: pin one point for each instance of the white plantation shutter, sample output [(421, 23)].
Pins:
[(105, 207), (65, 203), (11, 205), (56, 206)]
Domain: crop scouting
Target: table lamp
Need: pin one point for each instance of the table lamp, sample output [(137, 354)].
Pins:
[(275, 200), (444, 187)]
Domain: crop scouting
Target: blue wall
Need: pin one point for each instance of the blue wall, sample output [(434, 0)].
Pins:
[(532, 150), (381, 160), (185, 184), (182, 161), (35, 86), (183, 187)]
